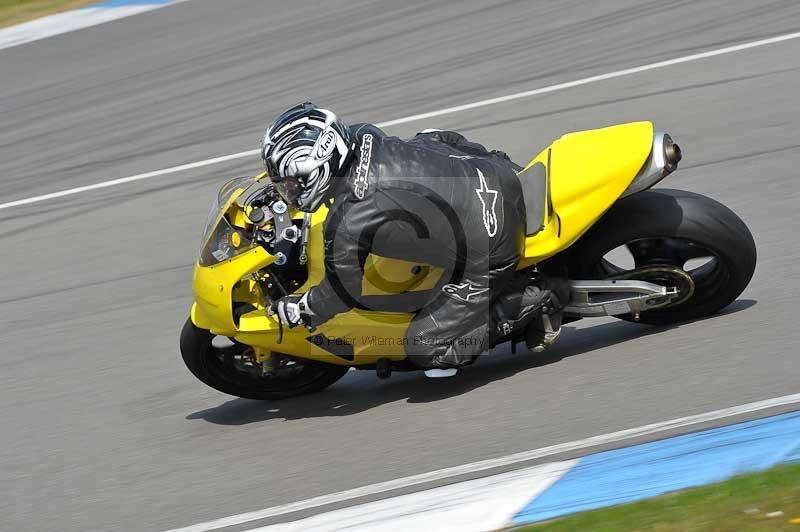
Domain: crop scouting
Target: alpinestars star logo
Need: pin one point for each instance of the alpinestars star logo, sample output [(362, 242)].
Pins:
[(361, 181), (464, 291), (488, 199)]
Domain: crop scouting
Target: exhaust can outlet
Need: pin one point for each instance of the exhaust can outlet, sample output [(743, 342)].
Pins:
[(672, 154)]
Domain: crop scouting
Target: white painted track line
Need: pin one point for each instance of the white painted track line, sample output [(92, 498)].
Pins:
[(594, 79), (478, 505), (131, 179), (483, 465), (423, 116)]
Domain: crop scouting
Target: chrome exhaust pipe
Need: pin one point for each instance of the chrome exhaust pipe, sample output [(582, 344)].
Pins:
[(663, 160)]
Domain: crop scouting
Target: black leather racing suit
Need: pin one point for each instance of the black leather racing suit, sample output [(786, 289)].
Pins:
[(434, 201)]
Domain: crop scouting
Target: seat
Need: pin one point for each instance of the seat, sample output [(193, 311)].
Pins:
[(534, 193)]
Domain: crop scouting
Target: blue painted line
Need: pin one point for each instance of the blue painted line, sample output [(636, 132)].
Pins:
[(647, 470), (125, 3)]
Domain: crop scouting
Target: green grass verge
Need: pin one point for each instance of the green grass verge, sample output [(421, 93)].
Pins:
[(16, 11), (737, 505)]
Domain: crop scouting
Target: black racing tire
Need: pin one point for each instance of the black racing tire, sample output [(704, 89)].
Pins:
[(651, 222), (206, 362)]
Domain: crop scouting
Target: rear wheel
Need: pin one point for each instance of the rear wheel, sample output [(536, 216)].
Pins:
[(677, 230), (229, 367)]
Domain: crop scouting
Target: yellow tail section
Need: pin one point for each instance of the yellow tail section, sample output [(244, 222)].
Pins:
[(587, 172)]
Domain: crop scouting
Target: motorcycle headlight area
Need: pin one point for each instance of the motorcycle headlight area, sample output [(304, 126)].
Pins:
[(222, 240)]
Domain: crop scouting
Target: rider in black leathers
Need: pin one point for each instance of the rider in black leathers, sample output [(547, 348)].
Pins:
[(434, 201)]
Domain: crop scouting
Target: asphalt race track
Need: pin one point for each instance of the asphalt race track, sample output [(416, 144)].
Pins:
[(102, 427)]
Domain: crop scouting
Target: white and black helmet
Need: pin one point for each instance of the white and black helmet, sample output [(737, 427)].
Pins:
[(303, 150)]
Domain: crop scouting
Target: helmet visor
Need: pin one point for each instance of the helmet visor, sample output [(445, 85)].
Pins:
[(290, 188)]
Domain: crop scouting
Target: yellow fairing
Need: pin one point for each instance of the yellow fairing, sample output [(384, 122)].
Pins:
[(587, 172), (354, 338), (384, 276), (214, 287)]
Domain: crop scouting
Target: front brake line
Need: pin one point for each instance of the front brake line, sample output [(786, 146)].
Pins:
[(304, 238)]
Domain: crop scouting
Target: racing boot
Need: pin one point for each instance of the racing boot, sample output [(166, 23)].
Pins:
[(516, 311), (440, 373)]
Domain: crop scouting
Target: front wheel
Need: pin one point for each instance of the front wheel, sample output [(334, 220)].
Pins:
[(671, 228), (230, 368)]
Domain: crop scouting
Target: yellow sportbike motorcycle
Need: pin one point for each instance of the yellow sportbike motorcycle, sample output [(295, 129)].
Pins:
[(651, 256)]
